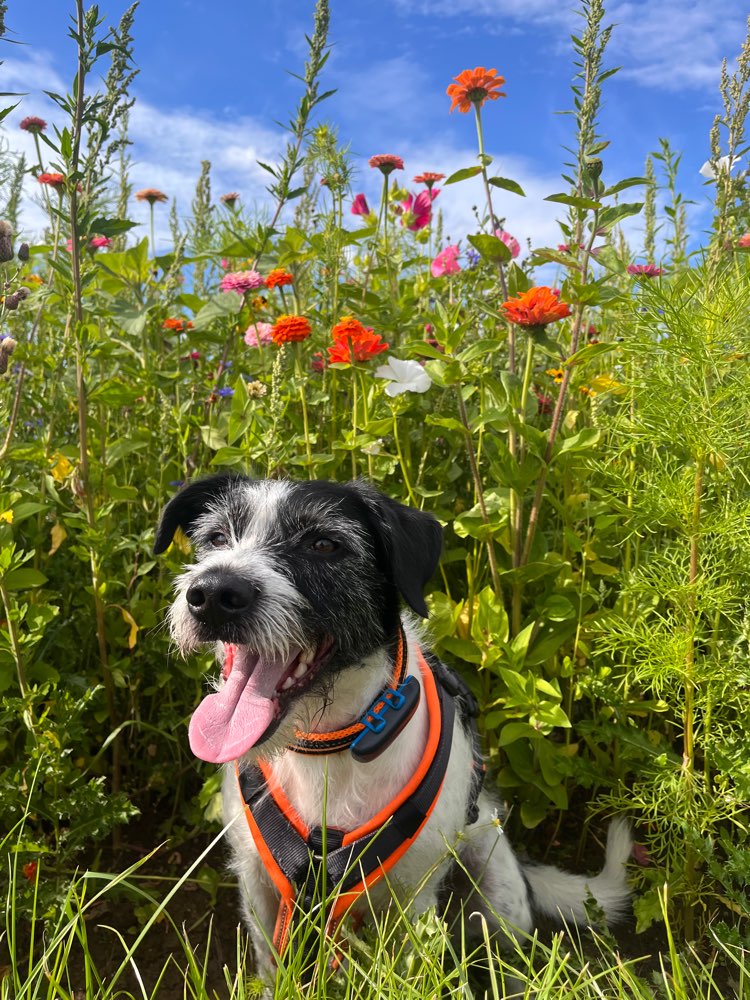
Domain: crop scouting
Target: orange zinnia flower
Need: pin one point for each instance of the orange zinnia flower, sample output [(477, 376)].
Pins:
[(54, 180), (278, 277), (290, 328), (536, 307), (429, 178), (354, 342), (178, 325), (475, 86), (150, 195)]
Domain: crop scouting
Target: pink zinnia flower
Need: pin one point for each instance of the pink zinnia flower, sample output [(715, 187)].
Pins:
[(258, 333), (386, 163), (360, 206), (647, 270), (446, 262), (33, 124), (417, 211), (510, 241), (240, 282)]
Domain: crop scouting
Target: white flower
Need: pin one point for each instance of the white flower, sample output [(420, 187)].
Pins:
[(374, 447), (722, 163), (405, 376)]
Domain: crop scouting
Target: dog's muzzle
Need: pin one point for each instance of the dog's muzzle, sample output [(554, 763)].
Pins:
[(216, 599)]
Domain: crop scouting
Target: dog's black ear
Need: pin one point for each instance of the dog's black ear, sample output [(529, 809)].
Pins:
[(184, 509), (411, 540)]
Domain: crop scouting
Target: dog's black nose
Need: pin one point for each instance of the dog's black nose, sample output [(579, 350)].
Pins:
[(219, 598)]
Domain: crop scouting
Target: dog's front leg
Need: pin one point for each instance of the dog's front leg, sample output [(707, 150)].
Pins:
[(259, 898)]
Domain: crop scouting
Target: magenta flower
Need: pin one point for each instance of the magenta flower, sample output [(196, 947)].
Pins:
[(446, 262), (510, 241), (240, 282), (99, 242), (258, 333), (417, 211), (360, 206), (647, 270), (33, 124)]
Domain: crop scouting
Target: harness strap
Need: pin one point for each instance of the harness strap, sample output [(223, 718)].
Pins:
[(353, 861), (342, 739)]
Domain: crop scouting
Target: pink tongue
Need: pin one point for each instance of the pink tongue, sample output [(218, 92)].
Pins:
[(229, 723)]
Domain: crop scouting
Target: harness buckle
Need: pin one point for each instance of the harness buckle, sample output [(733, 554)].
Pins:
[(385, 719)]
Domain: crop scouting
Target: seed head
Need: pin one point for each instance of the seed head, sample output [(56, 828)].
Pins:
[(23, 252), (6, 242)]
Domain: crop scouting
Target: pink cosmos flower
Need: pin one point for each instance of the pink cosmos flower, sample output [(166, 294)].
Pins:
[(258, 333), (647, 270), (510, 241), (240, 282), (360, 206), (417, 211), (446, 262)]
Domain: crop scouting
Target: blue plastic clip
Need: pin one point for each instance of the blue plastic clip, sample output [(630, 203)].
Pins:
[(383, 724)]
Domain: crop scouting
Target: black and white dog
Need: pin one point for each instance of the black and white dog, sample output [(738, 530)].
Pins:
[(300, 586)]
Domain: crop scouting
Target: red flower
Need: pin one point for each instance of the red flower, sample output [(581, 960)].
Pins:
[(278, 277), (176, 324), (33, 124), (29, 870), (354, 342), (57, 181), (386, 163), (428, 178), (318, 362), (288, 329), (417, 212), (647, 270), (360, 206), (744, 241), (536, 307), (475, 86)]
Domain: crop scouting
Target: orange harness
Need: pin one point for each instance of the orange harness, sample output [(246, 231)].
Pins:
[(309, 862)]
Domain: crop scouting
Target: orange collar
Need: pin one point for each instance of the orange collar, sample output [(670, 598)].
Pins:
[(342, 739)]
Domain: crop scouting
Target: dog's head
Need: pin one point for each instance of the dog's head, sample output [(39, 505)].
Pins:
[(297, 581)]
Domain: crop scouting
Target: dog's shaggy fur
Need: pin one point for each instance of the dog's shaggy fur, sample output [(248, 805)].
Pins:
[(306, 580)]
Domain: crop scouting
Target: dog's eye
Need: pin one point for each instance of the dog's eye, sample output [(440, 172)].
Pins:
[(219, 540), (324, 546)]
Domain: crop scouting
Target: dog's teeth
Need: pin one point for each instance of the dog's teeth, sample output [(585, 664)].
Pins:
[(300, 670), (287, 683)]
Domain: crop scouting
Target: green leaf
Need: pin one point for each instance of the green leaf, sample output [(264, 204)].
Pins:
[(24, 578), (219, 306), (507, 185), (110, 227), (622, 185), (490, 247), (464, 174), (513, 731), (582, 441), (558, 608), (574, 200), (609, 217)]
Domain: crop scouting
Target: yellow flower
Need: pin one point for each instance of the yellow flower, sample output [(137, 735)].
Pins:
[(7, 515), (62, 468)]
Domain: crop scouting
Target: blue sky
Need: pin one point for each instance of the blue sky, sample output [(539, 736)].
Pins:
[(213, 81)]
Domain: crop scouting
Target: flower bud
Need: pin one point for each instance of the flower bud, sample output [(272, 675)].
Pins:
[(22, 292), (6, 242), (11, 302), (7, 346), (23, 252)]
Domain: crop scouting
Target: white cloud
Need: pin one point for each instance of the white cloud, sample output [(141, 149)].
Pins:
[(669, 44), (167, 148)]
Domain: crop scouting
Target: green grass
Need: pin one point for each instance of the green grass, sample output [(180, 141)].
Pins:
[(396, 955)]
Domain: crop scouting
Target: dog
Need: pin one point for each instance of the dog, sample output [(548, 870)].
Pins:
[(327, 696)]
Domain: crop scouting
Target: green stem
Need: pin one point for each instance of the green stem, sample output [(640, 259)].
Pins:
[(402, 463), (478, 489)]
